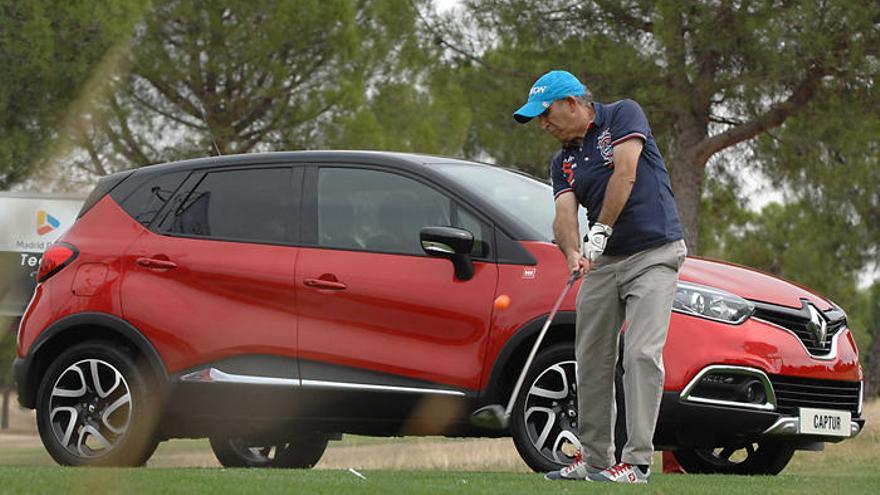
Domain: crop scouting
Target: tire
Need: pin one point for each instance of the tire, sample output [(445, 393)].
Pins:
[(757, 458), (94, 408), (301, 453), (544, 429), (557, 359)]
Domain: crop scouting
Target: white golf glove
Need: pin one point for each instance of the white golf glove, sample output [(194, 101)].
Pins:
[(596, 241)]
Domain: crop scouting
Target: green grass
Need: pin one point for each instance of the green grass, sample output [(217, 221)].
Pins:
[(219, 481), (849, 467), (37, 456)]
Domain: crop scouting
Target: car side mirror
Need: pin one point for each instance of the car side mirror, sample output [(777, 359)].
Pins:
[(450, 243)]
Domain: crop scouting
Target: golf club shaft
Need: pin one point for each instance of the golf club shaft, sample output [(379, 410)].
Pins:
[(522, 375)]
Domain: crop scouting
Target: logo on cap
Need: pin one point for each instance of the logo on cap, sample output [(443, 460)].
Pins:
[(537, 90), (550, 87)]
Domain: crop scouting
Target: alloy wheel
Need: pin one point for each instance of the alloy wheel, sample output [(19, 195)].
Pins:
[(727, 456), (758, 457), (257, 455), (550, 413), (90, 408)]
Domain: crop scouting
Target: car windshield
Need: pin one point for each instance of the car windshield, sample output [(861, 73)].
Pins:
[(524, 197)]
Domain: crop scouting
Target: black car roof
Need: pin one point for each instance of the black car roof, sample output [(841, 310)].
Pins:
[(378, 157)]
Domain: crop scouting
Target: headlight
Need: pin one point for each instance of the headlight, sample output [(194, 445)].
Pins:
[(714, 304)]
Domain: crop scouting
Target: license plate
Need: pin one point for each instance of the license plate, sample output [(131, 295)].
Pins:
[(825, 422)]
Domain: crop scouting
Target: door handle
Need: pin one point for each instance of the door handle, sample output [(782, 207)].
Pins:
[(155, 263), (324, 284)]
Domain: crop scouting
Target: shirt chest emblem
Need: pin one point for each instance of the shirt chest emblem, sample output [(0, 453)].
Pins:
[(568, 166), (603, 144)]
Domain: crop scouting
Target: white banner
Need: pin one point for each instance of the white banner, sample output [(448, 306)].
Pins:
[(30, 224)]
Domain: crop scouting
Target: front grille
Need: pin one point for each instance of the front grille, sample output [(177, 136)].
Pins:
[(792, 393), (797, 321)]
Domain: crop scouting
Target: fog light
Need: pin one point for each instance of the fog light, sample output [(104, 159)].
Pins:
[(755, 393), (731, 385)]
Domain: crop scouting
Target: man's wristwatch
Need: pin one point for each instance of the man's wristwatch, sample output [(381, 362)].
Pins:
[(596, 239)]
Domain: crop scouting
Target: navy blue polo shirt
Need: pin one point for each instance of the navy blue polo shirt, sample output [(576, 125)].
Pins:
[(649, 218)]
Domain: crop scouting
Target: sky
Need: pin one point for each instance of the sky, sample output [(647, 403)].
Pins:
[(444, 5)]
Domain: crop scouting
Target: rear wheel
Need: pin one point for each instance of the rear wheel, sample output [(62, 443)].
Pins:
[(751, 458), (94, 409), (301, 453)]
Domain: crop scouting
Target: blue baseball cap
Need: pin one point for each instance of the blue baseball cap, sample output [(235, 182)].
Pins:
[(550, 87)]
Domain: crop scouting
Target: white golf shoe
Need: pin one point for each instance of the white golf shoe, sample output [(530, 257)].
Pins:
[(577, 470), (621, 473)]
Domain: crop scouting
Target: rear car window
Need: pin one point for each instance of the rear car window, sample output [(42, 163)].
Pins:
[(249, 205), (105, 185)]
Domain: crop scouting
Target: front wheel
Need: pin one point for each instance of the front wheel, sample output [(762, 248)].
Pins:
[(754, 458), (302, 453), (543, 422)]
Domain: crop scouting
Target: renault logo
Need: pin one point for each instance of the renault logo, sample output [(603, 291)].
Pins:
[(817, 326)]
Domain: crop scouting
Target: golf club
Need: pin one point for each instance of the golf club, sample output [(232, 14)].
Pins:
[(496, 417)]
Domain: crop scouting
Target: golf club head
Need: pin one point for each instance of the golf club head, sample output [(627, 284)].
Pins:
[(492, 417)]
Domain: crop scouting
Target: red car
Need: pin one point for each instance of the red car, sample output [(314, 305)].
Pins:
[(272, 302)]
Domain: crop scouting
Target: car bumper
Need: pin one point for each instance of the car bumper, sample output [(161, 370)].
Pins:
[(790, 426), (684, 424), (19, 373)]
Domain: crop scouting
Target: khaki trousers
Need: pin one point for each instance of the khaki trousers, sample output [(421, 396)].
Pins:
[(639, 289)]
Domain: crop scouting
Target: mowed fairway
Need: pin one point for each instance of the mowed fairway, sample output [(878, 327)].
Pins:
[(414, 465)]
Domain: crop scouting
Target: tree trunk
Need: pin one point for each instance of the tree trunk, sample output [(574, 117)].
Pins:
[(687, 168), (687, 176), (872, 378), (4, 415)]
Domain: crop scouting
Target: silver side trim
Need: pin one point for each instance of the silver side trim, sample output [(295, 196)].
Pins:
[(768, 405), (789, 426), (832, 354), (437, 247), (380, 388), (213, 375)]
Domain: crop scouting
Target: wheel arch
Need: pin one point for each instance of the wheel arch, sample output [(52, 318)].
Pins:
[(80, 327), (513, 355)]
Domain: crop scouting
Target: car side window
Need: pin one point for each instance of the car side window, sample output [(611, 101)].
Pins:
[(246, 204), (465, 220), (378, 211)]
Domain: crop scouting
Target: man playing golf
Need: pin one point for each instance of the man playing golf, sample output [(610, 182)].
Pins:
[(610, 164)]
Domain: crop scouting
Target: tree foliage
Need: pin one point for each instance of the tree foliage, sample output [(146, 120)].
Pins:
[(830, 157), (232, 77), (49, 52), (402, 117), (870, 314), (710, 74)]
